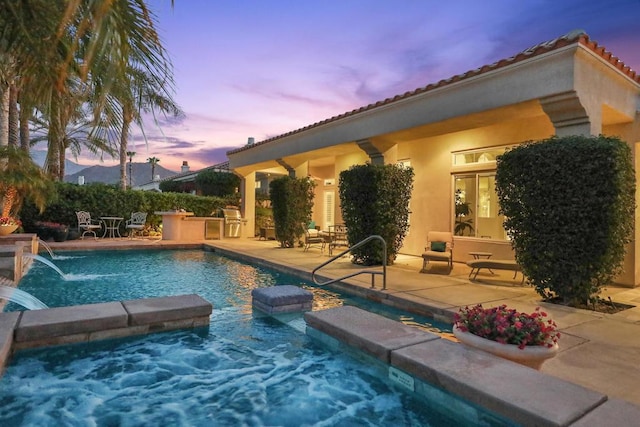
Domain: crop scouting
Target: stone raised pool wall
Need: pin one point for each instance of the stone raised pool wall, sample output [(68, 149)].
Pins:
[(91, 322), (518, 393)]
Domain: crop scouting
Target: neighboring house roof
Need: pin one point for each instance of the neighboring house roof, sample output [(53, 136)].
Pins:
[(190, 175), (577, 36), (183, 176)]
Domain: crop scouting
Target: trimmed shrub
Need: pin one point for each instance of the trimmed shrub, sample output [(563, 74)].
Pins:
[(375, 200), (219, 184), (291, 202), (174, 187), (110, 200), (569, 204)]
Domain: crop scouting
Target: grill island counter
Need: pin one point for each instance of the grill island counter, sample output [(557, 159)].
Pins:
[(183, 226), (232, 222)]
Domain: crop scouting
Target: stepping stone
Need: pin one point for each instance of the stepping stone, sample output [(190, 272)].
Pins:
[(281, 299)]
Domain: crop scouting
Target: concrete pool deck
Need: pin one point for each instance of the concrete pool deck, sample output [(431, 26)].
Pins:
[(598, 351)]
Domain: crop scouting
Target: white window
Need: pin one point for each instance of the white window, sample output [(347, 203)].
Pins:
[(476, 208), (405, 163), (479, 157), (329, 207)]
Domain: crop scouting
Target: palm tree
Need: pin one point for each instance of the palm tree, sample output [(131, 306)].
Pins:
[(28, 53), (154, 161), (89, 43), (141, 92), (80, 131), (5, 90), (130, 154)]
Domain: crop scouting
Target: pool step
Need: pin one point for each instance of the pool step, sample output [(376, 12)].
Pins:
[(281, 299)]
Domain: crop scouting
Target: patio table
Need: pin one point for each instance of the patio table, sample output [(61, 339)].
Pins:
[(111, 226), (480, 255)]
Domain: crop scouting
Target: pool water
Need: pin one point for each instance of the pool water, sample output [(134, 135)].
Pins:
[(241, 370)]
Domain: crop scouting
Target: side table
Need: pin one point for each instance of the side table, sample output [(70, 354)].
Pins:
[(267, 233), (480, 255)]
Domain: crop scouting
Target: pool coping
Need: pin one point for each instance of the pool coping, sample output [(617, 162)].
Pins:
[(91, 322), (529, 397)]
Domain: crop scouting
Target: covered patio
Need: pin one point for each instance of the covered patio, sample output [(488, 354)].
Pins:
[(451, 132)]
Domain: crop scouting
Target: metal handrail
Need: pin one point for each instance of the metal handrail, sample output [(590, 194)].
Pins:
[(373, 273)]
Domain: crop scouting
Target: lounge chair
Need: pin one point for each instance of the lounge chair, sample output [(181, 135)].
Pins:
[(136, 223), (439, 248), (87, 225)]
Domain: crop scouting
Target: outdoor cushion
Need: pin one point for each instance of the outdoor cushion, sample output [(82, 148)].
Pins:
[(438, 246)]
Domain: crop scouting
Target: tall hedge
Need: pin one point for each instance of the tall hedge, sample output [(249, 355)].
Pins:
[(569, 205), (291, 202), (215, 183), (109, 200), (375, 200)]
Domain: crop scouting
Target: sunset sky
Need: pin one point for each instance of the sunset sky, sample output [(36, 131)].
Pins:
[(263, 68)]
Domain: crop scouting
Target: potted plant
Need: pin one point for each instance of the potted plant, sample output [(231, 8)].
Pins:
[(528, 339), (8, 225), (59, 232), (463, 210), (47, 230)]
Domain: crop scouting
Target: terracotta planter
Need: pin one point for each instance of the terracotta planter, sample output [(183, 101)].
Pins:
[(531, 356), (7, 229), (44, 233)]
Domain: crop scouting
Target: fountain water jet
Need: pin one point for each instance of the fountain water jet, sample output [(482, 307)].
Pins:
[(46, 262), (46, 246), (22, 298)]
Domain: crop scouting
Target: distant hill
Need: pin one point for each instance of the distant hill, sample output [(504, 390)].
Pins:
[(69, 167), (104, 174), (111, 174)]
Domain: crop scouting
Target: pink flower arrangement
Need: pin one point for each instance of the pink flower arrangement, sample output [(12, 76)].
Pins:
[(8, 220), (508, 326), (49, 224)]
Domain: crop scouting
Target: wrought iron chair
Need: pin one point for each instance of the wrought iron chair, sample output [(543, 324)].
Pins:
[(337, 237), (136, 223), (87, 225), (312, 237)]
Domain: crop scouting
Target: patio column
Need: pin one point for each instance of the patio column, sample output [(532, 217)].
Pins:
[(288, 167), (630, 132), (570, 115), (248, 204), (377, 158)]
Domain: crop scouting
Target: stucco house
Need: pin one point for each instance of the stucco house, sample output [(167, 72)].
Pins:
[(451, 131)]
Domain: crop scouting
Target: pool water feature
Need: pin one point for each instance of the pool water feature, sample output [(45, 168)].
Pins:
[(24, 299), (242, 370), (46, 262)]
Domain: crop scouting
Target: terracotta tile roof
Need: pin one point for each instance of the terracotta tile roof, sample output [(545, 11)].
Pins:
[(576, 36)]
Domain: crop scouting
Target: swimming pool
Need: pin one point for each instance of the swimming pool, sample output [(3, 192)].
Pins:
[(242, 370)]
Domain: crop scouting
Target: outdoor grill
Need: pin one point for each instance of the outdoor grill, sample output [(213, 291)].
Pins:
[(232, 221)]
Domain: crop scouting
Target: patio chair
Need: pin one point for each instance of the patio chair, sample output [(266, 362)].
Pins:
[(136, 223), (87, 225), (337, 237), (439, 248), (313, 237)]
